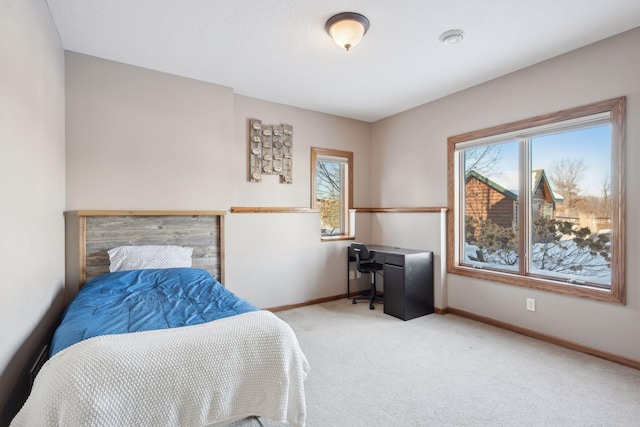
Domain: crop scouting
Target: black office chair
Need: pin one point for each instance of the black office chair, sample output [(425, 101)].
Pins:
[(362, 253)]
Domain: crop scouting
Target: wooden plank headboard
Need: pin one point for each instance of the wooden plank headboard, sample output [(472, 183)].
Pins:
[(90, 234)]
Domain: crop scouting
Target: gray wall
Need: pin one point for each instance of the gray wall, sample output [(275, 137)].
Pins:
[(140, 139), (412, 147), (32, 168)]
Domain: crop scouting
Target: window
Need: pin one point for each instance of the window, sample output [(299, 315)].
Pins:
[(331, 190), (540, 202)]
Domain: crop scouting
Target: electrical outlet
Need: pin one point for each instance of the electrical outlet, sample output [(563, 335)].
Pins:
[(531, 304), (352, 275)]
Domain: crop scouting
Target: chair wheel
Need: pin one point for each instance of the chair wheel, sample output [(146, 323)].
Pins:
[(353, 301), (371, 307)]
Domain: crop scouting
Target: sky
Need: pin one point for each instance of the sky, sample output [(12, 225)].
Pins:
[(592, 146)]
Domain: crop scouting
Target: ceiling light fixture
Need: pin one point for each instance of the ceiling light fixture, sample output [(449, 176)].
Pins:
[(347, 28), (452, 37)]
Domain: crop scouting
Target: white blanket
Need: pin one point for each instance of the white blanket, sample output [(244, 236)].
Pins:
[(209, 374)]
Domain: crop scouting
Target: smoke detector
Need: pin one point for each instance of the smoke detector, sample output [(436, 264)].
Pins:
[(452, 37)]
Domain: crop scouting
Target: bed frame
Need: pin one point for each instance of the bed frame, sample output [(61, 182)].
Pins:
[(90, 234)]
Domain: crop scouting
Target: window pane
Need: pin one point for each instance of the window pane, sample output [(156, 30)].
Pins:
[(491, 207), (570, 208), (329, 184), (571, 205)]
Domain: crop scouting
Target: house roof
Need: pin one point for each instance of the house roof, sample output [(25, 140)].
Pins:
[(492, 184), (538, 177)]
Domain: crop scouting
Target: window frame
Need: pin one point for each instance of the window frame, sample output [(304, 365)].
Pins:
[(346, 190), (616, 293)]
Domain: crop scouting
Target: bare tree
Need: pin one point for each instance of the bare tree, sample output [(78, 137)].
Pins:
[(328, 189), (482, 159), (606, 196), (328, 179), (565, 175)]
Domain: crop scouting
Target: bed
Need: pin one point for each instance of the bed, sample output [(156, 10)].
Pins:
[(157, 339)]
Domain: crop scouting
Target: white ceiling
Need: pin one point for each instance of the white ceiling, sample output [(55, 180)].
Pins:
[(279, 50)]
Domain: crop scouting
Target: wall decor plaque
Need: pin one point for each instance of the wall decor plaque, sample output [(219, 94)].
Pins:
[(270, 151)]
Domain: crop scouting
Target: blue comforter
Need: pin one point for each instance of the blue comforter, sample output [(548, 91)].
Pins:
[(141, 300)]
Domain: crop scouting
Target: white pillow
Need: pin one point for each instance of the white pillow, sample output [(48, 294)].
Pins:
[(144, 257)]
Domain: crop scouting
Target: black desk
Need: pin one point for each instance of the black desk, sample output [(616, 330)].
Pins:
[(408, 280)]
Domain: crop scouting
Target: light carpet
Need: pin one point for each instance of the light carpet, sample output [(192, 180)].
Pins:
[(371, 369)]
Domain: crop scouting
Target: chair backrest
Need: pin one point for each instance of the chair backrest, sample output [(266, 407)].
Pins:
[(361, 251)]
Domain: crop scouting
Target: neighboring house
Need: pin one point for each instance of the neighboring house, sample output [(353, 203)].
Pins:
[(545, 201), (486, 199)]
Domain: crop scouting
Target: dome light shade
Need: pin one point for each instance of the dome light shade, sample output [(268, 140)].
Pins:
[(347, 28)]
